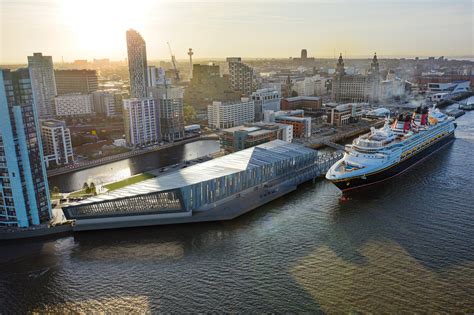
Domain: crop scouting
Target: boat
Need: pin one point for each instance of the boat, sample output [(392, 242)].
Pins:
[(389, 151)]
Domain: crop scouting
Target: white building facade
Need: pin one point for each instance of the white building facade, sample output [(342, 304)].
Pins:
[(265, 99), (141, 119), (226, 115), (73, 105), (57, 143)]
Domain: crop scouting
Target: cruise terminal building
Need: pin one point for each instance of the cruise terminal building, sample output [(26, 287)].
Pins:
[(219, 189)]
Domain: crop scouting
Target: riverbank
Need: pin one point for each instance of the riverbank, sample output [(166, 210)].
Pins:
[(122, 156)]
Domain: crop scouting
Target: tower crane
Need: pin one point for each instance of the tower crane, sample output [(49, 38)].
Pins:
[(173, 61)]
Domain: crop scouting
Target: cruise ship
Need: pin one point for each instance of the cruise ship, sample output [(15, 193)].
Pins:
[(389, 151)]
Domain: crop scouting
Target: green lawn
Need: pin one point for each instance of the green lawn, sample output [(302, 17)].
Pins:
[(79, 193), (128, 181)]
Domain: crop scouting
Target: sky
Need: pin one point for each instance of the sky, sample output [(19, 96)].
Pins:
[(87, 29)]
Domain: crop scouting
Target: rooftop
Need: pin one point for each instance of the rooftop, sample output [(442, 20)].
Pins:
[(262, 154)]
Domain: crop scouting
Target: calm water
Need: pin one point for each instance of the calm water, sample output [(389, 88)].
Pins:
[(125, 168), (406, 245)]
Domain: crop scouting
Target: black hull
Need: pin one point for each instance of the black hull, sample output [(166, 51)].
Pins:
[(397, 169)]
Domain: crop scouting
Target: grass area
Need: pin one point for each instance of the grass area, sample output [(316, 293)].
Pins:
[(128, 181), (79, 193)]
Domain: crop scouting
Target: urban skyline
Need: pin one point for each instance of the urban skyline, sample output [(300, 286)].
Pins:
[(215, 29)]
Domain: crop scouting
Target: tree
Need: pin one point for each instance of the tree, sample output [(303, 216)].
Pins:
[(189, 113), (92, 189), (294, 93)]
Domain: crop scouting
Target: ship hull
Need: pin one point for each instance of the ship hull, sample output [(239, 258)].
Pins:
[(397, 169)]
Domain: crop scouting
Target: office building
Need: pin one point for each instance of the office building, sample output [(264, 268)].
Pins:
[(43, 84), (357, 87), (57, 143), (70, 105), (304, 87), (156, 76), (108, 102), (141, 119), (170, 102), (76, 81), (242, 77), (230, 114), (243, 137), (265, 99), (342, 114), (207, 85), (137, 64), (307, 103), (301, 125), (24, 192)]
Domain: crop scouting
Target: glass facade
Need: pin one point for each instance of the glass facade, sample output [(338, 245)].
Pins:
[(200, 186), (24, 193)]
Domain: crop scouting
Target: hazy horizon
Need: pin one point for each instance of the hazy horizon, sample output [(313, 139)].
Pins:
[(260, 29)]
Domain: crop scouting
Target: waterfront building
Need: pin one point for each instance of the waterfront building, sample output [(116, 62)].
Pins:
[(170, 102), (207, 85), (265, 99), (108, 102), (307, 103), (342, 114), (24, 192), (76, 81), (43, 84), (219, 189), (301, 125), (247, 136), (137, 64), (141, 119), (242, 76), (57, 143), (357, 87), (230, 114), (73, 105)]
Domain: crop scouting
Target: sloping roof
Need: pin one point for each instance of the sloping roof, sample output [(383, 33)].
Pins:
[(263, 154)]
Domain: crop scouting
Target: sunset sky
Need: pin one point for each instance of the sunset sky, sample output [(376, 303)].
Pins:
[(86, 29)]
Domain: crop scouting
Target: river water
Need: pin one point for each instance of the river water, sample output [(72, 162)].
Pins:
[(138, 164), (406, 245)]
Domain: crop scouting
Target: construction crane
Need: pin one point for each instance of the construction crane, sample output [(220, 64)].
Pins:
[(173, 60)]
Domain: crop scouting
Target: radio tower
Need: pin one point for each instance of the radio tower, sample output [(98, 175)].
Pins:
[(190, 54)]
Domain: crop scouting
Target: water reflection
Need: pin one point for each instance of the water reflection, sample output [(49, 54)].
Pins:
[(121, 169)]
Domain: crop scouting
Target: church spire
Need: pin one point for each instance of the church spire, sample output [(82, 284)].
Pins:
[(375, 63)]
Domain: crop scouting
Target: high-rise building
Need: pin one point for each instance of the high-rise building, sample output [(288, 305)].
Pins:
[(242, 77), (207, 85), (170, 101), (108, 102), (141, 119), (265, 99), (230, 114), (43, 84), (137, 64), (73, 105), (57, 143), (76, 81), (24, 192), (304, 54)]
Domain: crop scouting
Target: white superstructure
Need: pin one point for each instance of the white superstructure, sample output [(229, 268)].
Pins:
[(389, 146)]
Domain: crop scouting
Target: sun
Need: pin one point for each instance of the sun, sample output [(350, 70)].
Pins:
[(99, 25)]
